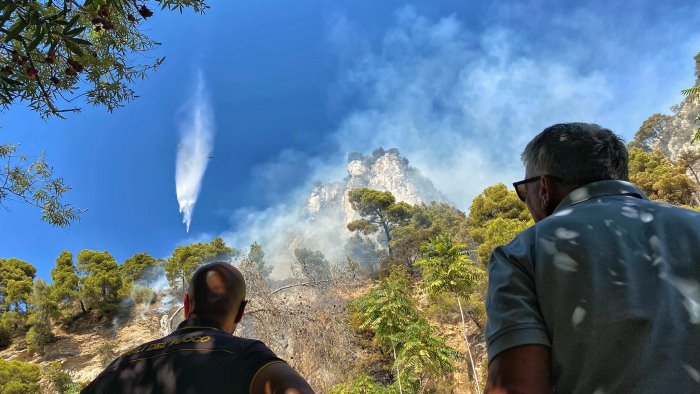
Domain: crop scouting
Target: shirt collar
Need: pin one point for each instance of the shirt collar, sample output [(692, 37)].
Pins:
[(195, 322), (600, 189)]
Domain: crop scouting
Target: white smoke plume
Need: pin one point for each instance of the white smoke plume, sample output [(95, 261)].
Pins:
[(194, 149), (461, 102)]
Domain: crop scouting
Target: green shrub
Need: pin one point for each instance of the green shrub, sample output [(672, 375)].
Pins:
[(17, 377), (106, 354), (37, 337), (362, 384), (59, 378), (5, 335)]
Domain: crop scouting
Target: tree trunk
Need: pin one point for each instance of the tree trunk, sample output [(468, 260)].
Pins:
[(387, 231), (466, 339), (697, 179), (398, 374)]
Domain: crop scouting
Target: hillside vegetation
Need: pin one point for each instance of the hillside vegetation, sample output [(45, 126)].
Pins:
[(402, 313)]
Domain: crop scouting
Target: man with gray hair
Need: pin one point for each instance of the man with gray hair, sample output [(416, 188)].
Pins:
[(602, 294)]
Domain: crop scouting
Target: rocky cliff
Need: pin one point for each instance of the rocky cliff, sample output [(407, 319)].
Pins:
[(322, 220), (382, 170), (675, 136)]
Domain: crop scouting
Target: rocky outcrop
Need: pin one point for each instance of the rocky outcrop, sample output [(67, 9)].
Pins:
[(382, 170), (327, 211), (677, 133)]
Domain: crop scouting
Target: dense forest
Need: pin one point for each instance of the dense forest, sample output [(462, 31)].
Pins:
[(403, 313)]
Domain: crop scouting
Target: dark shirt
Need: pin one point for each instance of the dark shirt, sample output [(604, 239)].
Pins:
[(198, 357)]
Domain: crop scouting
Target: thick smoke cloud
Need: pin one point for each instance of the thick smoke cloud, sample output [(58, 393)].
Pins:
[(195, 147), (460, 103)]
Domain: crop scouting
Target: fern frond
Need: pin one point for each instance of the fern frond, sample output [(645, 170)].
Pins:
[(693, 92)]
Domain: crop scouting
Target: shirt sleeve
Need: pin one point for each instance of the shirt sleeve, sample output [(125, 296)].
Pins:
[(256, 356), (514, 316)]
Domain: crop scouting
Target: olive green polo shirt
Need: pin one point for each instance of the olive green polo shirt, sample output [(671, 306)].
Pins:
[(611, 283)]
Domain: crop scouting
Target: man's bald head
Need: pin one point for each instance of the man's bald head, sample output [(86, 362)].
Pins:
[(217, 292)]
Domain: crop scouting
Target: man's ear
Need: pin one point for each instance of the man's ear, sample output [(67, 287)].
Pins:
[(241, 311), (186, 303)]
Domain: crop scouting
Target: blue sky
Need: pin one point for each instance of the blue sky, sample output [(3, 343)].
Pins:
[(459, 87)]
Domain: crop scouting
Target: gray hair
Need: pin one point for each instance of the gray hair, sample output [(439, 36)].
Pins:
[(578, 153)]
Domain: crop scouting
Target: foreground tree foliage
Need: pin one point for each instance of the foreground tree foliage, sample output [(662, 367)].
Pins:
[(57, 54), (53, 49), (389, 313), (17, 377), (447, 270), (32, 181)]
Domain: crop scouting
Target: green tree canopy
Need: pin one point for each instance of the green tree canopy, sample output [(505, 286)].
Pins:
[(494, 233), (16, 277), (66, 283), (660, 179), (378, 210), (497, 202), (101, 283), (312, 264), (257, 255), (18, 377), (496, 216), (427, 222), (43, 309), (187, 258), (649, 132), (133, 268)]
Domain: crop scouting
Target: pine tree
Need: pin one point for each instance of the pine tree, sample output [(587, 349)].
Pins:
[(43, 309), (66, 283), (257, 255), (101, 284)]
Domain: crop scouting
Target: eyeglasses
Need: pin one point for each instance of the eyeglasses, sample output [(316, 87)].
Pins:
[(521, 189)]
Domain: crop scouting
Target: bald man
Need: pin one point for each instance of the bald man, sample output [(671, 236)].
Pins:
[(203, 355)]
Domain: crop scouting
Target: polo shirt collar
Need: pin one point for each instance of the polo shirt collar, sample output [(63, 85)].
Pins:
[(600, 189), (195, 322)]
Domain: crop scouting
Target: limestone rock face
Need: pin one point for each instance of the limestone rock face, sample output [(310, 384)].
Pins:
[(676, 135), (327, 210), (384, 170)]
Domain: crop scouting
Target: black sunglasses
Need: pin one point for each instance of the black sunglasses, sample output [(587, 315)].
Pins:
[(521, 189)]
